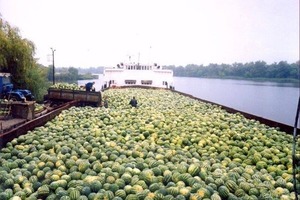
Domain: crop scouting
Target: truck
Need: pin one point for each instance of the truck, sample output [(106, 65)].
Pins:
[(8, 92)]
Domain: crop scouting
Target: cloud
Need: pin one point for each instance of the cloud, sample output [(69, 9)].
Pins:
[(96, 33)]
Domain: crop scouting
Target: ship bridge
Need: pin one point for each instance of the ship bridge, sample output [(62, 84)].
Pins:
[(137, 74)]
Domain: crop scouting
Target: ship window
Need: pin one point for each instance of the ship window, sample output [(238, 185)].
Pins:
[(146, 82), (130, 82)]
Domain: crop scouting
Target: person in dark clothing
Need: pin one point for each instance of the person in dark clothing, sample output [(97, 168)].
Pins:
[(89, 86), (133, 102), (105, 103)]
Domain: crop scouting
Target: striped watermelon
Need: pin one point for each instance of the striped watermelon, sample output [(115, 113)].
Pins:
[(74, 194), (215, 196), (43, 191), (231, 185), (223, 191), (194, 169)]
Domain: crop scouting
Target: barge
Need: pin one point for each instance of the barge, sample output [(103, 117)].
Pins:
[(132, 75), (152, 152)]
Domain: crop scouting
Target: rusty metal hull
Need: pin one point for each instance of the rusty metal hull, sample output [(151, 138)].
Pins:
[(30, 125), (70, 95)]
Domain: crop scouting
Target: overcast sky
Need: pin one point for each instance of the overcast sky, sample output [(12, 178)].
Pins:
[(169, 32)]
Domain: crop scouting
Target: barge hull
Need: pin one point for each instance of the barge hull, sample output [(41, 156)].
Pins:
[(30, 125)]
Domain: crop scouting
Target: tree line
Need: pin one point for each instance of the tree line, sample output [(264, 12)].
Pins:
[(253, 70), (91, 70), (70, 74)]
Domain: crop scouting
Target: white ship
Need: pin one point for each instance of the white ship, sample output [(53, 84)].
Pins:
[(138, 75)]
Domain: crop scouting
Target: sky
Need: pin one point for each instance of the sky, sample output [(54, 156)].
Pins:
[(94, 33)]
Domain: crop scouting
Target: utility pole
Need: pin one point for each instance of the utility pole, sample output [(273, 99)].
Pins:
[(53, 65)]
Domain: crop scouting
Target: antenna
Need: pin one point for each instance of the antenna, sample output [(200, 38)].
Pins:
[(53, 50), (150, 59), (129, 57)]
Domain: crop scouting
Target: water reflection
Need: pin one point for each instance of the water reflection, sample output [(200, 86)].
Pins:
[(274, 84), (271, 100)]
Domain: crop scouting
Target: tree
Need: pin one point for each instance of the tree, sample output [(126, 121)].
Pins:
[(36, 81), (295, 70), (73, 73), (17, 58), (16, 53), (283, 70)]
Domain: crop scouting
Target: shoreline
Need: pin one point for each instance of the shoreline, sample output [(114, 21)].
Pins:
[(273, 80)]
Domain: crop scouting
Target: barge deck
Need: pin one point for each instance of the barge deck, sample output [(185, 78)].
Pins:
[(21, 126)]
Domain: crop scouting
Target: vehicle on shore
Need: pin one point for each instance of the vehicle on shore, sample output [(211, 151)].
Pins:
[(8, 92)]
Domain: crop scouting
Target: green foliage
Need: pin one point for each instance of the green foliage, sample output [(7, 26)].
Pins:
[(65, 74), (94, 70), (87, 76), (35, 79), (17, 58), (258, 69), (69, 74), (16, 53)]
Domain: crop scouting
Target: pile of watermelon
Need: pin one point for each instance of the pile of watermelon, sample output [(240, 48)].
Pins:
[(169, 147)]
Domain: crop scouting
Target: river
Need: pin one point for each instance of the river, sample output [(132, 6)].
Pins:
[(270, 100)]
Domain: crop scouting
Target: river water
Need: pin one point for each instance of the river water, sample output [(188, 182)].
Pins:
[(270, 100)]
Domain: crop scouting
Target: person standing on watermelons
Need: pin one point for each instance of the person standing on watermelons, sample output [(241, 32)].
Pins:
[(105, 103), (133, 102), (89, 86)]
